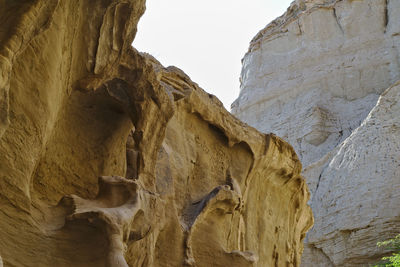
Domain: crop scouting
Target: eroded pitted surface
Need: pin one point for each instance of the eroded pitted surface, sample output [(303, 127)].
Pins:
[(181, 180)]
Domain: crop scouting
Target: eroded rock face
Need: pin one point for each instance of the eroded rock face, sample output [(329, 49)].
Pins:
[(312, 76), (367, 166), (182, 182)]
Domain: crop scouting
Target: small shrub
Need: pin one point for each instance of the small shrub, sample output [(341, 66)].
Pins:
[(393, 245)]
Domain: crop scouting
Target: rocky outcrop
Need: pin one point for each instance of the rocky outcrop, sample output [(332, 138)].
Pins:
[(359, 191), (312, 76), (182, 182)]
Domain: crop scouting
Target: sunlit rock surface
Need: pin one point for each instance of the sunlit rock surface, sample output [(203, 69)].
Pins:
[(312, 77), (109, 159)]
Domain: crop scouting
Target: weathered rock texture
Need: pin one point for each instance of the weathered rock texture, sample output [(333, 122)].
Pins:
[(182, 182), (359, 191), (312, 76)]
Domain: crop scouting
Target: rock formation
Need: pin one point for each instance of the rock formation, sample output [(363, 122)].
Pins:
[(182, 182), (314, 76)]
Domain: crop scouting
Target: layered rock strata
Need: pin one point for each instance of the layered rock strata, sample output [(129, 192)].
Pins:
[(182, 182), (312, 76), (359, 191)]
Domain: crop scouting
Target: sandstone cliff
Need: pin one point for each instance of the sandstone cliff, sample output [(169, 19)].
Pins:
[(182, 182), (312, 76)]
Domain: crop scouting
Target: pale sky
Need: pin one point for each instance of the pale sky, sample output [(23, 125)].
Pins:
[(206, 39)]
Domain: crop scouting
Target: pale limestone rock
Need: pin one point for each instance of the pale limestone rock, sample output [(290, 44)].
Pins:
[(312, 76), (359, 192), (182, 181), (323, 66)]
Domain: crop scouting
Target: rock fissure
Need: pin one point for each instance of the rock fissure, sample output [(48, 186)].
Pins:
[(337, 19), (386, 17)]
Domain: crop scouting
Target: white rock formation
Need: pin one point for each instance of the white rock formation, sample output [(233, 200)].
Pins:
[(357, 200), (312, 76)]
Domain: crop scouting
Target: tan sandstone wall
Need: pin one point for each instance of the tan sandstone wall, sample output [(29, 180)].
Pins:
[(109, 159)]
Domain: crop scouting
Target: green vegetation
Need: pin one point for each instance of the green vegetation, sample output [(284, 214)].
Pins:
[(394, 245)]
